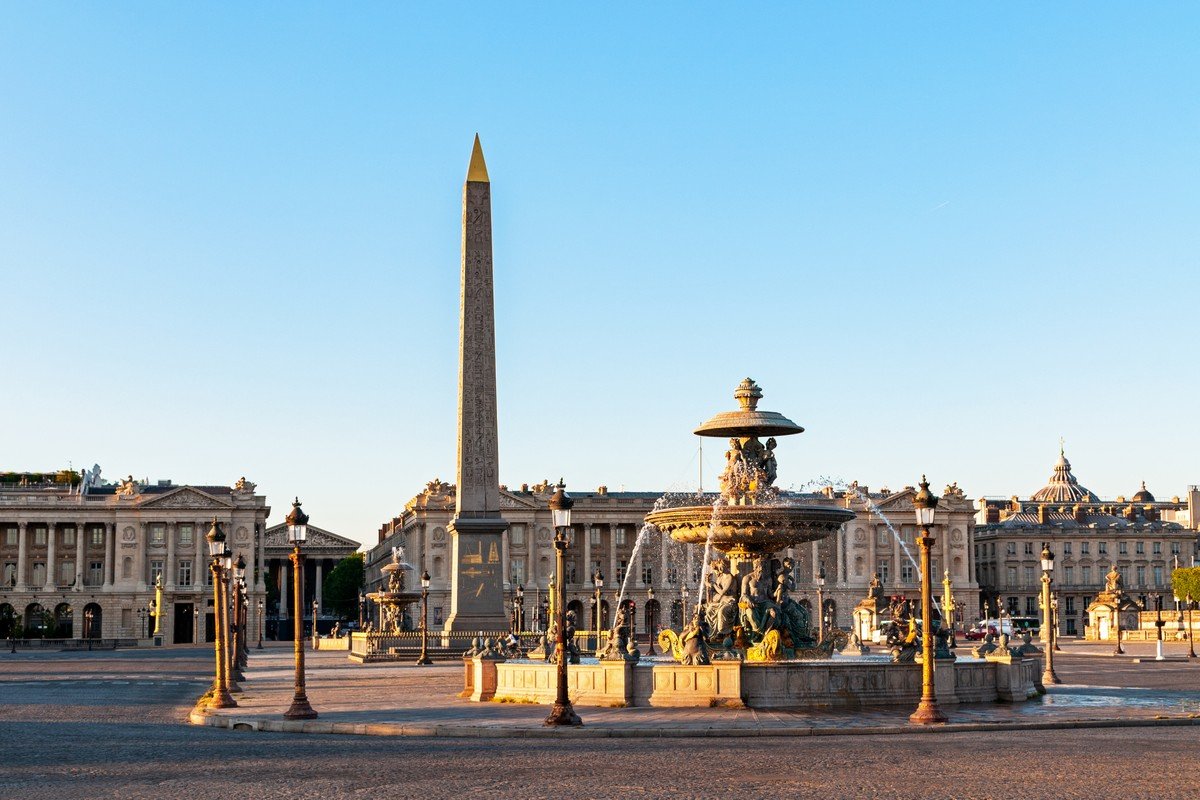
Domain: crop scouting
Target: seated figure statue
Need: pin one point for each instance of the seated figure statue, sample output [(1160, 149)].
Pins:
[(759, 612), (721, 610), (693, 641), (796, 618)]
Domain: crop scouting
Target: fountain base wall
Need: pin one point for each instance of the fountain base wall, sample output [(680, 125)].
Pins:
[(815, 685)]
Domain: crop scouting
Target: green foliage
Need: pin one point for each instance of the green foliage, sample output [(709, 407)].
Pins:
[(1185, 582), (343, 584)]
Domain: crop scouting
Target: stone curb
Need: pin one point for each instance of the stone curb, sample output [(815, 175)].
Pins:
[(230, 722)]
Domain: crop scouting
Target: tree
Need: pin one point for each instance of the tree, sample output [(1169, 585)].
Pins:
[(1185, 582), (342, 585)]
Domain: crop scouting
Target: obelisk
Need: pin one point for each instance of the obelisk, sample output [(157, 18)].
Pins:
[(477, 585)]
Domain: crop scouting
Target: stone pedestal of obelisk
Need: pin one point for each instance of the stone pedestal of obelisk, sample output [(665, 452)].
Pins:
[(477, 583)]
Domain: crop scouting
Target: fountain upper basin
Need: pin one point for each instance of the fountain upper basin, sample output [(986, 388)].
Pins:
[(750, 529)]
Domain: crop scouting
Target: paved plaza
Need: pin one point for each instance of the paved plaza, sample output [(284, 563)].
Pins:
[(114, 725)]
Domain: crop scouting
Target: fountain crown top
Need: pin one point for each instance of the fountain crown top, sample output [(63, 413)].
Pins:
[(748, 421)]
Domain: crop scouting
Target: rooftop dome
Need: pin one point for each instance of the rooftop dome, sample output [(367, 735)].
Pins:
[(1063, 487), (1143, 495)]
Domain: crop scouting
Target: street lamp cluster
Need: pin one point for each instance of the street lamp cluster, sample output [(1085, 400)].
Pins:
[(220, 557)]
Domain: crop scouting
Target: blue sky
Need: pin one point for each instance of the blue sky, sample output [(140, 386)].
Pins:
[(940, 238)]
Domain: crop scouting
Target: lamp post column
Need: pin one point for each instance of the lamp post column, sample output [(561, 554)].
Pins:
[(1119, 651), (1191, 634), (297, 522), (1048, 674), (560, 506), (221, 697), (927, 712), (1158, 624), (424, 660)]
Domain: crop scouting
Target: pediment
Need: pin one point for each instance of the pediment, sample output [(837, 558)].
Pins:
[(514, 502), (186, 497), (318, 538)]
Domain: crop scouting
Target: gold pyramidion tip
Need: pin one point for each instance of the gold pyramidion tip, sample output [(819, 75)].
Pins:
[(477, 171)]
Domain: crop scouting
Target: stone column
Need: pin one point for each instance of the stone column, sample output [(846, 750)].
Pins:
[(139, 563), (587, 552), (260, 532), (80, 555), (320, 569), (51, 531), (110, 532), (22, 565), (284, 590), (169, 569)]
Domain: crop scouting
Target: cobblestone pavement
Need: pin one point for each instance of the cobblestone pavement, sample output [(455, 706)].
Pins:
[(70, 726)]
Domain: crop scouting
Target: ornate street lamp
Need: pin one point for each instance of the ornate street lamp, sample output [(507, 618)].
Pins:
[(216, 551), (560, 508), (821, 603), (949, 605), (362, 604), (424, 660), (651, 619), (598, 582), (297, 524), (262, 620), (158, 605), (1158, 624), (1048, 674), (239, 597), (232, 675), (518, 608), (1191, 633), (927, 713)]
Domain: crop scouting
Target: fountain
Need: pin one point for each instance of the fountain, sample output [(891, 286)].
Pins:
[(395, 599), (746, 609), (749, 641)]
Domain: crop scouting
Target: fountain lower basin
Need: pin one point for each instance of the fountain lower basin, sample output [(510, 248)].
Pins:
[(841, 683)]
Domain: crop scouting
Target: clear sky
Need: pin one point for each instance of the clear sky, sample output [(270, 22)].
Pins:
[(939, 236)]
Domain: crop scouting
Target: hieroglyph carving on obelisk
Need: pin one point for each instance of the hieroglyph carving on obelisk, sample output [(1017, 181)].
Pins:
[(477, 585)]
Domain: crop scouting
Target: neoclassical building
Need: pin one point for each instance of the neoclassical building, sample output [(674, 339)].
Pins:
[(322, 551), (1144, 538), (80, 556), (606, 527)]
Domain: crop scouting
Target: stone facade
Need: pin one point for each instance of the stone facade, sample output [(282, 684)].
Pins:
[(605, 530), (1143, 538), (322, 551), (88, 552)]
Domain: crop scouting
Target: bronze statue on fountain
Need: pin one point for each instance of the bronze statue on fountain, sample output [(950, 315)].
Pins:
[(747, 609)]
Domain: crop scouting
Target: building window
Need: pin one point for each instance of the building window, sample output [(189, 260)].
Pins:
[(518, 573), (185, 572), (39, 574), (1070, 605), (1066, 546), (96, 573), (1102, 548), (884, 568), (1175, 548), (68, 537), (621, 574), (647, 576), (1030, 606), (1028, 576), (906, 572), (1069, 573), (619, 537), (66, 573), (1010, 577), (10, 573), (10, 536), (1087, 576), (39, 536), (1071, 629), (1141, 576), (1084, 548), (156, 571), (1029, 548), (1122, 548), (98, 537), (594, 537), (185, 535), (1014, 606), (1158, 576), (1157, 549), (158, 533), (992, 548), (1124, 573), (1011, 548), (518, 535), (1140, 548)]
